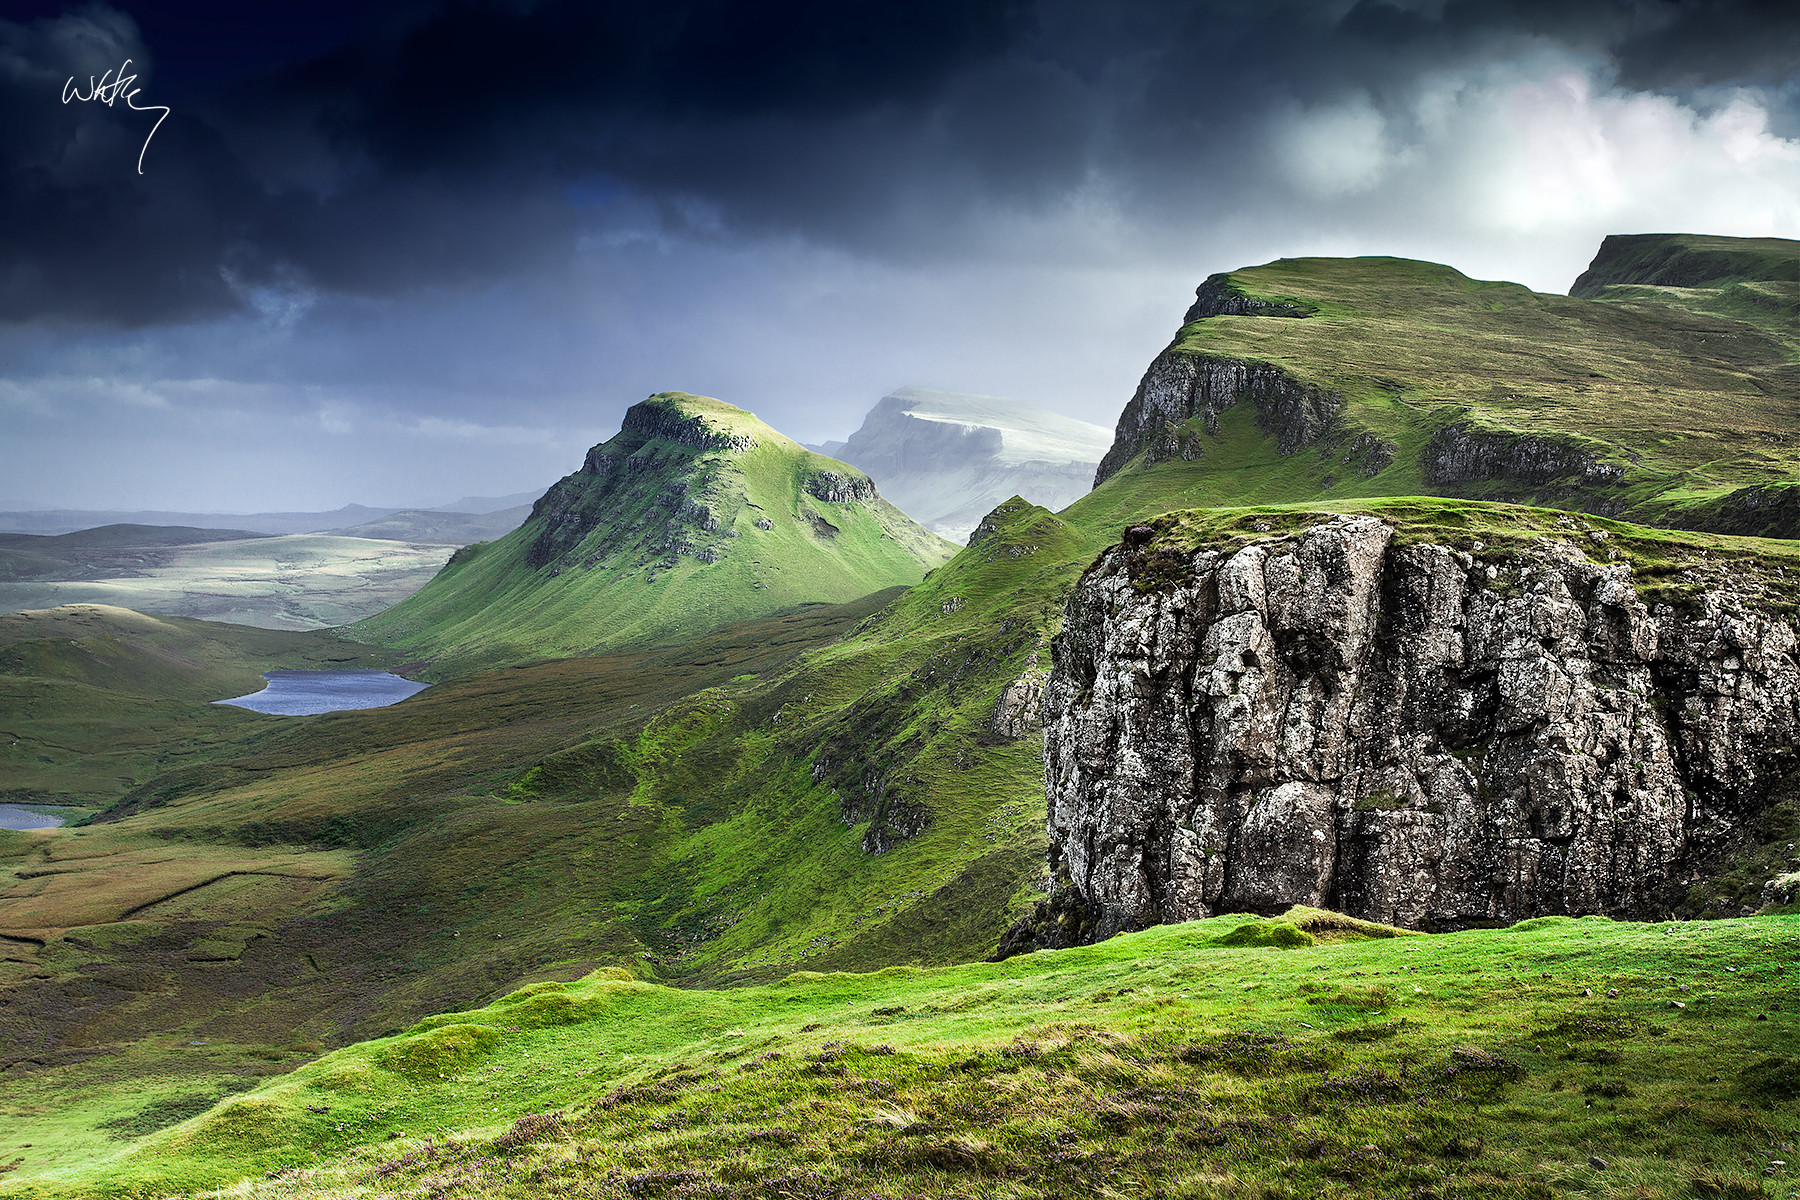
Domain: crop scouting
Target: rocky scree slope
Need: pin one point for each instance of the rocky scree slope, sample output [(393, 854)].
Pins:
[(1412, 732), (694, 516), (1379, 376), (949, 459)]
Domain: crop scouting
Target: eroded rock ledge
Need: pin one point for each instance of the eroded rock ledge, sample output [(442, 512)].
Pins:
[(1408, 733), (1182, 394)]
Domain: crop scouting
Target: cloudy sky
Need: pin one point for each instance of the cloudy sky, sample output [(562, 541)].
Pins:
[(395, 254)]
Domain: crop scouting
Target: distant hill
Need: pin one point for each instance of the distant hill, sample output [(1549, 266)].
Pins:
[(96, 553), (441, 527), (71, 520), (695, 515), (53, 522), (948, 458), (488, 504), (297, 581), (1687, 260)]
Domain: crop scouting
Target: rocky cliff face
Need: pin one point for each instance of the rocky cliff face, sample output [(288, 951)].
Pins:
[(1182, 394), (1460, 453), (1410, 733), (1220, 297)]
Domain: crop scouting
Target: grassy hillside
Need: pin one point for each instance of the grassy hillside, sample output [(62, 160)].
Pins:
[(1657, 410), (1308, 1056), (339, 876), (95, 699), (694, 516), (834, 791), (1689, 261)]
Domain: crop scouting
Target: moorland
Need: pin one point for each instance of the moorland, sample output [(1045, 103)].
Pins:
[(600, 916)]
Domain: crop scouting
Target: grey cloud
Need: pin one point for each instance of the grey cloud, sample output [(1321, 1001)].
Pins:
[(465, 141)]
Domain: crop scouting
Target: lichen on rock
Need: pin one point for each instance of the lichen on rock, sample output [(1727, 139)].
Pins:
[(1333, 718)]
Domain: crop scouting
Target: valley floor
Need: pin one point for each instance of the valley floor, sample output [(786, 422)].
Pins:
[(308, 581)]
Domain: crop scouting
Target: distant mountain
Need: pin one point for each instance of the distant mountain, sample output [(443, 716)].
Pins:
[(441, 527), (338, 520), (694, 516), (72, 520), (488, 504), (92, 553), (948, 458)]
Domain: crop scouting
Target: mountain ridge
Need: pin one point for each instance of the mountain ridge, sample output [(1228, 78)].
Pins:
[(694, 515)]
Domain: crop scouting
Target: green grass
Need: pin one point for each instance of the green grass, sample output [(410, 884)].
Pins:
[(1171, 1062), (711, 814), (671, 541), (824, 790), (339, 876), (1689, 400), (94, 699)]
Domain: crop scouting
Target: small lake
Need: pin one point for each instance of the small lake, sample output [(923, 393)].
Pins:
[(34, 816), (305, 693)]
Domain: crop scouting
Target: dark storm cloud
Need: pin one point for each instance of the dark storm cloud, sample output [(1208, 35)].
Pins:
[(1698, 43), (461, 142)]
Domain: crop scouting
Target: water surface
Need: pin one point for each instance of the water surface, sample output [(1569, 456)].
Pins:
[(304, 693), (33, 816)]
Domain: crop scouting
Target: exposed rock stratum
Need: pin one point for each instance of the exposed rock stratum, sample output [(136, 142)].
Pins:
[(1409, 733)]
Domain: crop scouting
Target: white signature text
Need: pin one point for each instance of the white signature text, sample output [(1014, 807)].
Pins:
[(117, 85)]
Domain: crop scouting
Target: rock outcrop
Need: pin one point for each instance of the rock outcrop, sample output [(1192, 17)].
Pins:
[(1220, 297), (652, 421), (837, 487), (1408, 733), (1182, 394), (1461, 453)]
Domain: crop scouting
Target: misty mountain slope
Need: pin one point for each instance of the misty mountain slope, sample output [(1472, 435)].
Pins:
[(948, 458), (694, 516), (99, 552), (50, 522), (1381, 376)]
